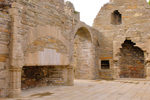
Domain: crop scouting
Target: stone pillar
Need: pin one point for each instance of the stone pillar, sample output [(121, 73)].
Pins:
[(116, 70), (14, 82), (70, 76), (16, 52), (147, 69), (116, 73)]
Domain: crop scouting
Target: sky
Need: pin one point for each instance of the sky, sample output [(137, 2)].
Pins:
[(88, 9)]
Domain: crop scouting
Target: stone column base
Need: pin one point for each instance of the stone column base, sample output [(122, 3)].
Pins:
[(14, 93), (14, 82), (70, 76)]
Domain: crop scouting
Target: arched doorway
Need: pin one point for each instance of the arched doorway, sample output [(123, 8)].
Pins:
[(83, 54), (131, 61)]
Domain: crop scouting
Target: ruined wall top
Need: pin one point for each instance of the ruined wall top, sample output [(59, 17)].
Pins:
[(8, 2), (138, 2)]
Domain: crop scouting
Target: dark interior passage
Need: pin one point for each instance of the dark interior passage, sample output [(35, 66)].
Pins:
[(131, 61)]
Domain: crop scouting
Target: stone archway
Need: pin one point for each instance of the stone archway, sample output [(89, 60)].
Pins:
[(83, 54), (131, 61)]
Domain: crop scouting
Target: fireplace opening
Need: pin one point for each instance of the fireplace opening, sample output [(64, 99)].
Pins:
[(131, 61), (39, 76)]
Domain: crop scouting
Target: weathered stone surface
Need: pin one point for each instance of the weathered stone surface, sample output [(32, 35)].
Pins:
[(3, 73), (131, 61), (46, 57), (4, 47), (134, 26), (2, 82), (84, 55), (41, 33)]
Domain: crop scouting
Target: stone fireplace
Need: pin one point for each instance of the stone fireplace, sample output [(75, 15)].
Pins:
[(131, 61), (38, 76)]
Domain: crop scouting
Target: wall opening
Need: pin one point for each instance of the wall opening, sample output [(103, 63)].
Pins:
[(131, 61), (116, 18), (105, 64), (38, 76)]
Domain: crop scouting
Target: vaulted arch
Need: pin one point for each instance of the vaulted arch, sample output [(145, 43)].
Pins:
[(83, 56), (84, 33)]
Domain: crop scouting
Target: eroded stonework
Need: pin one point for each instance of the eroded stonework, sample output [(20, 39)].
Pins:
[(118, 21), (37, 38), (44, 43), (131, 61)]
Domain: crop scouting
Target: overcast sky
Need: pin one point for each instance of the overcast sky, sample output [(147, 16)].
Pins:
[(88, 9)]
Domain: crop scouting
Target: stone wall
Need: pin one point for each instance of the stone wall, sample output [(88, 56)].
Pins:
[(134, 26), (38, 28), (42, 34), (106, 74), (42, 28), (4, 49)]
